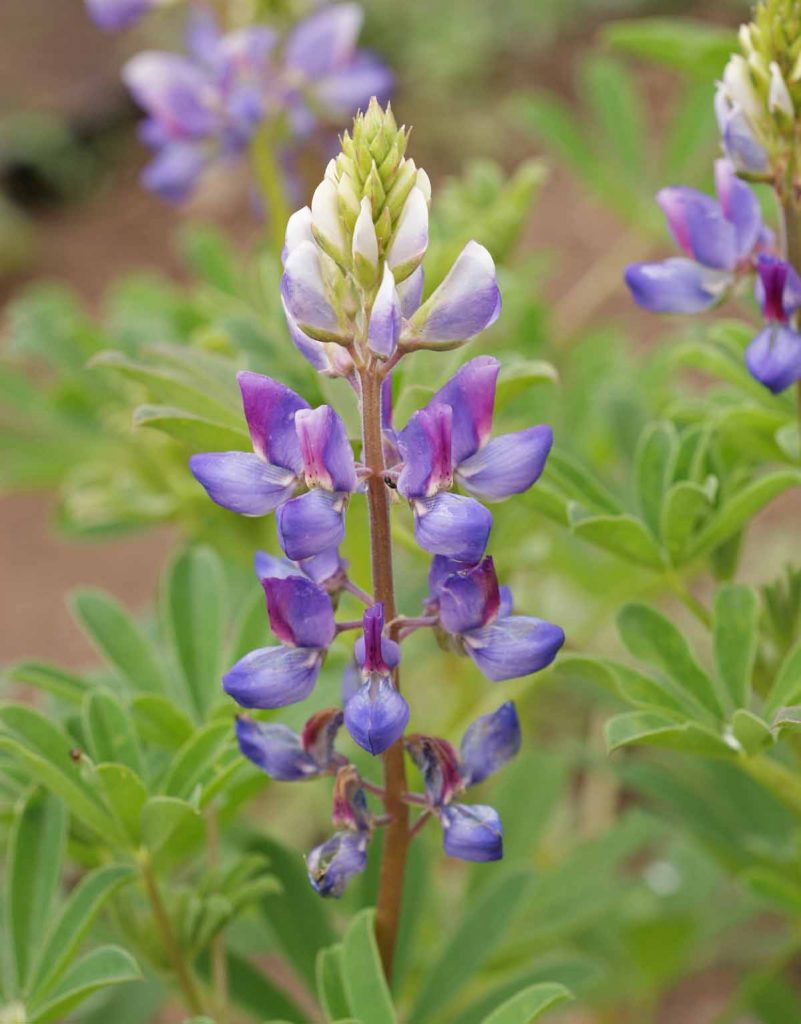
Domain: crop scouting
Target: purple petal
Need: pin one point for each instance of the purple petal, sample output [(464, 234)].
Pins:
[(328, 358), (425, 446), (385, 318), (272, 677), (175, 91), (352, 681), (452, 525), (319, 735), (270, 409), (244, 52), (438, 763), (774, 357), (410, 293), (472, 832), (350, 808), (376, 715), (441, 568), (173, 173), (489, 743), (467, 301), (267, 565), (324, 41), (301, 613), (242, 482), (697, 223), (740, 207), (311, 523), (390, 652), (514, 646), (202, 35), (778, 289), (332, 865), (326, 451), (506, 465), (739, 142), (324, 567), (507, 603), (676, 285), (275, 749), (304, 292), (469, 600), (348, 89), (116, 14), (471, 395), (373, 657)]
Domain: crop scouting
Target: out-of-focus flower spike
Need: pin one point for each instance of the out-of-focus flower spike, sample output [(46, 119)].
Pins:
[(113, 15), (332, 865), (350, 808), (472, 832), (489, 743), (384, 327)]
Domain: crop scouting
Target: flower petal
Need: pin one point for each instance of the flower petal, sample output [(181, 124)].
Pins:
[(311, 523), (323, 41), (116, 14), (410, 293), (325, 567), (425, 447), (507, 465), (376, 715), (514, 646), (332, 865), (276, 749), (697, 223), (774, 357), (350, 87), (471, 395), (305, 294), (469, 600), (390, 652), (410, 241), (740, 207), (373, 628), (438, 763), (452, 525), (270, 409), (472, 832), (174, 90), (350, 808), (242, 482), (676, 286), (327, 455), (301, 613), (383, 330), (298, 229), (328, 358), (326, 222), (319, 735), (489, 743), (466, 303), (272, 677)]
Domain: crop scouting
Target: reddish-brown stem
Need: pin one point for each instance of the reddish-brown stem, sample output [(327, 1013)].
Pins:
[(396, 837)]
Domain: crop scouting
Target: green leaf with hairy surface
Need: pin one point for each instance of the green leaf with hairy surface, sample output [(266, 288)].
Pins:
[(529, 1005), (330, 970), (786, 688), (654, 461), (735, 632), (109, 732), (125, 796), (194, 616), (117, 637), (471, 943), (159, 722), (197, 433), (517, 378), (108, 965), (624, 536), (50, 679), (661, 694), (645, 727), (652, 638), (686, 506), (362, 974), (165, 816), (195, 759), (579, 483), (35, 851)]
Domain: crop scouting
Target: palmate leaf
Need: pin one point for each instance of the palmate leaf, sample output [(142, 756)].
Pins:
[(529, 1005), (654, 463), (107, 965)]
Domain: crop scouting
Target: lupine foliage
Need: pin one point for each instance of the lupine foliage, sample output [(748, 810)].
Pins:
[(620, 876)]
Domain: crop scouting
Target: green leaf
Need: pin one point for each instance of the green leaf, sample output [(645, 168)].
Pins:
[(36, 848), (517, 378), (786, 687), (198, 433), (653, 468), (657, 694), (576, 480), (159, 722), (788, 719), (108, 965), (194, 613), (47, 754), (119, 640), (751, 732), (554, 123), (63, 938), (108, 731), (685, 505), (623, 535), (528, 1005), (365, 985), (165, 816), (252, 990), (645, 727), (330, 982), (471, 943), (125, 795), (649, 636), (50, 679), (738, 509), (694, 47), (196, 759), (735, 630), (613, 100)]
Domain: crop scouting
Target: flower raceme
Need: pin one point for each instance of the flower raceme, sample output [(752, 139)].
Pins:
[(207, 105), (352, 291), (774, 356)]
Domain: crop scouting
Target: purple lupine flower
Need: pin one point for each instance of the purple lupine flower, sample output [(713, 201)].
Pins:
[(112, 15), (470, 831), (376, 714), (302, 617), (503, 646), (327, 569), (721, 240), (350, 808), (332, 865), (200, 107), (286, 756), (292, 444), (739, 109), (774, 356)]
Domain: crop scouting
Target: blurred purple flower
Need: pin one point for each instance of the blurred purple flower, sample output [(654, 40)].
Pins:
[(112, 15), (721, 240), (774, 356)]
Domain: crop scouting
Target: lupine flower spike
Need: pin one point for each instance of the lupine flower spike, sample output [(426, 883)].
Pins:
[(352, 293)]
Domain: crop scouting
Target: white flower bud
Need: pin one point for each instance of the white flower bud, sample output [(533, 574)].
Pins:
[(423, 182), (410, 240), (326, 224), (740, 87), (365, 246), (779, 95)]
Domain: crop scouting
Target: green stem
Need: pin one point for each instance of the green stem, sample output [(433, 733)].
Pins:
[(270, 180), (171, 945), (690, 601)]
